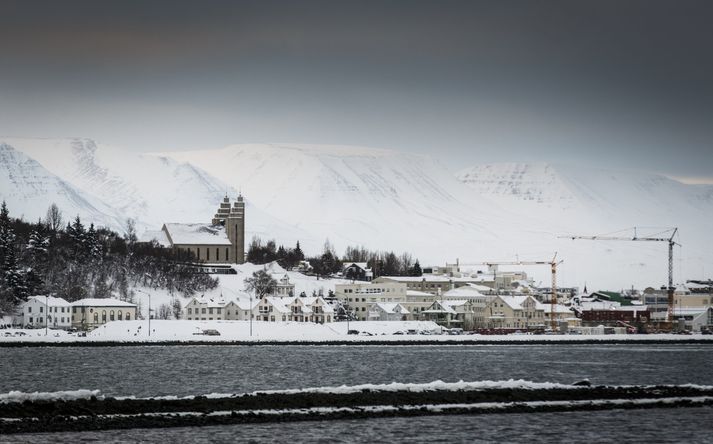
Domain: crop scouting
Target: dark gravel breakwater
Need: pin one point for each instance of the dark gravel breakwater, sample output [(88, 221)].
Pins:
[(98, 413)]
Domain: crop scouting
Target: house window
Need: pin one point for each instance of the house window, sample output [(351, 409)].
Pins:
[(202, 310), (30, 319), (189, 310), (210, 311), (29, 309), (41, 309), (219, 310)]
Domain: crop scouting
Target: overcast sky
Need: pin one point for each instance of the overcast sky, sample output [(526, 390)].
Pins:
[(613, 83)]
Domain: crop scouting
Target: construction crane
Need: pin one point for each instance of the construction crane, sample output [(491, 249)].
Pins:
[(553, 268), (653, 238)]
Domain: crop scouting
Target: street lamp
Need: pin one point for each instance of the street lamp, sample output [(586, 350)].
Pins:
[(251, 314), (47, 314), (149, 295)]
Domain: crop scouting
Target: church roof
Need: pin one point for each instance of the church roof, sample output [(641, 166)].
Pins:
[(197, 234)]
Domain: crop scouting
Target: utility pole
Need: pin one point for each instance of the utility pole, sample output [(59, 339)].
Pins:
[(47, 314)]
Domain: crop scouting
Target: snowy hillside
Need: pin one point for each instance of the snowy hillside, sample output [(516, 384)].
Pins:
[(29, 189), (359, 196), (380, 199), (583, 200)]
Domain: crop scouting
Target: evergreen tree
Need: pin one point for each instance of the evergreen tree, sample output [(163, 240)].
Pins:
[(416, 269)]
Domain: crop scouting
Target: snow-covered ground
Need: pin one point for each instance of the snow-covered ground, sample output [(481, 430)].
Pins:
[(232, 287), (297, 332)]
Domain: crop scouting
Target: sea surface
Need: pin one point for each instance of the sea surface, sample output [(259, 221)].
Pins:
[(194, 370)]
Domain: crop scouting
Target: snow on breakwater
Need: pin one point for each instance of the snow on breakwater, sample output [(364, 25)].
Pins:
[(65, 395), (364, 401)]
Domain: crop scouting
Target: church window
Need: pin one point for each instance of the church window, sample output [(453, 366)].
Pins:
[(207, 254), (226, 255), (198, 253), (217, 254)]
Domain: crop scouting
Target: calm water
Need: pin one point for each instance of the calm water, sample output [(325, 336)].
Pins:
[(190, 370), (692, 425)]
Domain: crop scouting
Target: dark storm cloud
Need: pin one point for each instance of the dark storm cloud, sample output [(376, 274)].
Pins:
[(606, 81)]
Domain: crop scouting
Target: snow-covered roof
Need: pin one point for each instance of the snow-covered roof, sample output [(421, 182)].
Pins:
[(362, 265), (50, 301), (155, 235), (480, 288), (105, 302), (244, 304), (197, 234), (515, 302), (430, 278), (210, 302), (418, 293), (283, 304), (559, 308), (390, 307), (465, 291)]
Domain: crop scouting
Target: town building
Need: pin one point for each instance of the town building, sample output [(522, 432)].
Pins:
[(359, 296), (429, 283), (387, 311), (220, 242), (451, 313), (357, 271), (46, 311), (284, 287), (515, 312), (621, 316), (91, 313), (296, 309)]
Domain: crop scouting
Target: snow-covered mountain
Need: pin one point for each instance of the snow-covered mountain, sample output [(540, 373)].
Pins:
[(377, 198), (29, 189), (584, 200)]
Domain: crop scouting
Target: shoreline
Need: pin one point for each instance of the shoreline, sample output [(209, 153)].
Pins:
[(375, 342)]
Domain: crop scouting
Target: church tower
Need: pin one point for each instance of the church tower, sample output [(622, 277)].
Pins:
[(235, 227), (223, 211)]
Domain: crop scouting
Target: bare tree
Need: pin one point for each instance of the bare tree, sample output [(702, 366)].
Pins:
[(176, 307), (54, 218), (163, 312), (262, 283)]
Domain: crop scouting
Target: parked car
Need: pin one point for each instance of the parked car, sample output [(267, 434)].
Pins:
[(353, 332), (211, 332)]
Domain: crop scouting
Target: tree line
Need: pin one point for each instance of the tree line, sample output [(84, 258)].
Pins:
[(382, 263), (74, 261)]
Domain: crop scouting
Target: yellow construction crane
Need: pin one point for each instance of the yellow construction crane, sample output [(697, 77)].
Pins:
[(553, 268), (653, 238)]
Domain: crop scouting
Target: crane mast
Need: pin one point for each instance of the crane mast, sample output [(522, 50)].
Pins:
[(636, 238)]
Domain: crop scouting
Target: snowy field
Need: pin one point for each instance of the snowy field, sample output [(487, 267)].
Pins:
[(299, 332)]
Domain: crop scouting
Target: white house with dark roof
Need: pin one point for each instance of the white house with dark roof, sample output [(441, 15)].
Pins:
[(41, 311), (90, 313)]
